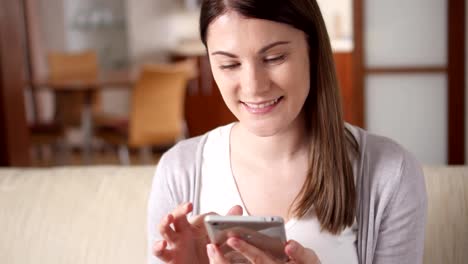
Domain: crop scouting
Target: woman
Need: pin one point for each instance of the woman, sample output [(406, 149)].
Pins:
[(347, 196)]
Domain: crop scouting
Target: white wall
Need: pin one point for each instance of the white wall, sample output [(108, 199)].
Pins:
[(52, 20), (110, 42), (338, 16), (57, 19), (156, 26), (53, 38), (153, 26), (148, 29)]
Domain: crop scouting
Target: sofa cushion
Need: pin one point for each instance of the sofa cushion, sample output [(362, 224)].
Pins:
[(447, 220), (98, 215), (74, 215)]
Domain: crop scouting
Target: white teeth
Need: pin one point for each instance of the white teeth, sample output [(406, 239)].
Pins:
[(258, 106)]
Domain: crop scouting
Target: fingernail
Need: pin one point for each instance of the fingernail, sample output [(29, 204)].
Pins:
[(292, 247), (210, 250), (234, 242), (159, 247)]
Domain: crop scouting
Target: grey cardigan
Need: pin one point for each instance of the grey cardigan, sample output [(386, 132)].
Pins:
[(391, 195)]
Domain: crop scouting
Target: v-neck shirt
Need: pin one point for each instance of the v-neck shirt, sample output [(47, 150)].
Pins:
[(219, 192)]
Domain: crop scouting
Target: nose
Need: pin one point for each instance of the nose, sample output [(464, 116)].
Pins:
[(254, 80)]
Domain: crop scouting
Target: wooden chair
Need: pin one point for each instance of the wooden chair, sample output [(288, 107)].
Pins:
[(51, 135), (156, 114), (67, 113), (80, 66)]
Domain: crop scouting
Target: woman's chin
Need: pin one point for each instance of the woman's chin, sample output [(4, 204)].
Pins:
[(262, 129)]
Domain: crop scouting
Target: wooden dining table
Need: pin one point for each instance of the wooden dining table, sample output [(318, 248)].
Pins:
[(121, 79)]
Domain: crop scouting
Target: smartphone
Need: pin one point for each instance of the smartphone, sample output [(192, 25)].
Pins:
[(265, 233)]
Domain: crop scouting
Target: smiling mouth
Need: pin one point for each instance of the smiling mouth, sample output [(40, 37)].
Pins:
[(264, 104)]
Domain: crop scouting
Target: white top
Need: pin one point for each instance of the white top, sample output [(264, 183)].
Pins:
[(390, 191), (219, 193)]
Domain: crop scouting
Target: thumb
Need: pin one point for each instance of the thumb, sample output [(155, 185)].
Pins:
[(299, 254), (235, 210)]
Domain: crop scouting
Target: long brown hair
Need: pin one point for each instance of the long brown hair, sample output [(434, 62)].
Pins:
[(329, 188)]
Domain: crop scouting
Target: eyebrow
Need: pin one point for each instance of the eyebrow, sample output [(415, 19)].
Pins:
[(262, 50)]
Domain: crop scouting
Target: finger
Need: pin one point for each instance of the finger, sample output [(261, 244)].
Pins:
[(198, 224), (198, 220), (215, 255), (161, 252), (235, 210), (299, 254), (180, 217), (251, 253), (166, 230), (159, 246), (294, 250)]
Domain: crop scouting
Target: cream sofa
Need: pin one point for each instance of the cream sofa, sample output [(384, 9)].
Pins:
[(97, 215)]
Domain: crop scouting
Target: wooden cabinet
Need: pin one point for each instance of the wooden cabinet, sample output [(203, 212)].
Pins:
[(204, 105), (344, 70), (205, 108)]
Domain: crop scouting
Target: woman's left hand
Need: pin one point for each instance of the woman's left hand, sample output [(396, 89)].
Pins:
[(296, 252)]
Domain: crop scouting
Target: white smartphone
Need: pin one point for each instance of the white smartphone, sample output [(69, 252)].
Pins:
[(265, 233)]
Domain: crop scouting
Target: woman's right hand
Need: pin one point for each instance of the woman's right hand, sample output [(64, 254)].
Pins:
[(184, 241)]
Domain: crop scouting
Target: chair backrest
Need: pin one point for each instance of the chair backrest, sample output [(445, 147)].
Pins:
[(73, 66), (446, 238), (157, 106)]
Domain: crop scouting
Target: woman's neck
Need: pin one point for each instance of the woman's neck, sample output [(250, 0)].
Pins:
[(284, 146)]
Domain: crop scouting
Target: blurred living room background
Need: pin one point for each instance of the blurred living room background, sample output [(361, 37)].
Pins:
[(87, 86), (120, 81)]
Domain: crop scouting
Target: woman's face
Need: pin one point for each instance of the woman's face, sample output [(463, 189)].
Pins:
[(262, 70)]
